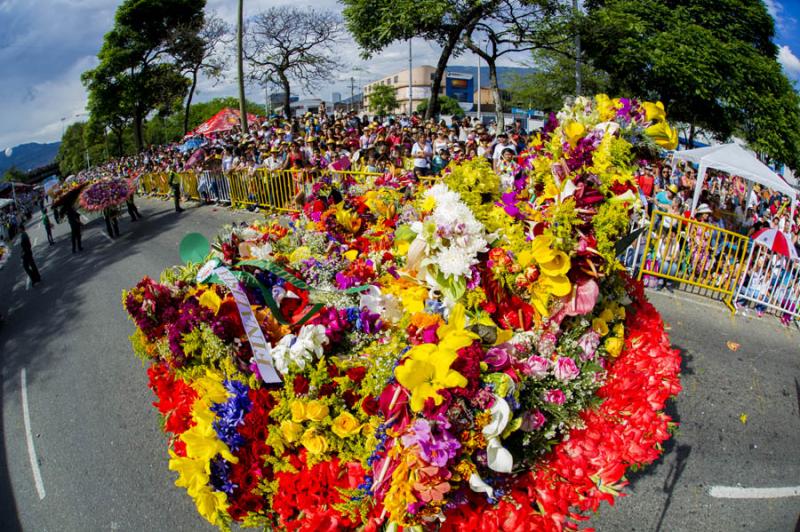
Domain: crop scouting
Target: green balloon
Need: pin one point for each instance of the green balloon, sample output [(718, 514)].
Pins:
[(194, 248)]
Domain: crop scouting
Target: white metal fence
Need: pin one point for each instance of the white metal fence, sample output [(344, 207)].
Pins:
[(771, 281)]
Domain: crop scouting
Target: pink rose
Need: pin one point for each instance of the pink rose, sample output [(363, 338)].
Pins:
[(533, 420), (589, 343), (497, 358), (536, 367), (556, 397), (565, 369)]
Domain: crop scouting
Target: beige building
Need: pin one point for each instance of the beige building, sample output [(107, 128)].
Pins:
[(421, 78)]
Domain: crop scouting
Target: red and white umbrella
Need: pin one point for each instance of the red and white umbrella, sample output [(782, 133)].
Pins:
[(776, 241)]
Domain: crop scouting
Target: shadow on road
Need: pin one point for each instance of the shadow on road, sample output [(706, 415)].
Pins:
[(42, 314)]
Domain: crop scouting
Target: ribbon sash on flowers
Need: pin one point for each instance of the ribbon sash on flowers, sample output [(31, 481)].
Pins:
[(258, 343)]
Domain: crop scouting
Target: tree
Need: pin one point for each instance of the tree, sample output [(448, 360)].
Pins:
[(375, 24), (240, 64), (199, 53), (513, 27), (447, 106), (553, 80), (383, 100), (14, 174), (136, 53), (713, 65), (288, 44)]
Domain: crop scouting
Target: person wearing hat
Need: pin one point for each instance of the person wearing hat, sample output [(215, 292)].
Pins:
[(664, 197)]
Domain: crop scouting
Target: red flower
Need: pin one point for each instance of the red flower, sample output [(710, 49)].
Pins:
[(356, 374)]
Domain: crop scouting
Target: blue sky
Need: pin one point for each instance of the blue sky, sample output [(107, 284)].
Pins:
[(45, 45)]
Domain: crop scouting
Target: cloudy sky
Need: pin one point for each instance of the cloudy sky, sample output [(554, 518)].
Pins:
[(46, 44)]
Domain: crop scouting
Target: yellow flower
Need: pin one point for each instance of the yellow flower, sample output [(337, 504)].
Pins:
[(300, 254), (619, 330), (426, 369), (345, 425), (348, 219), (600, 326), (298, 409), (614, 346), (663, 135), (574, 131), (606, 107), (654, 111), (291, 431), (428, 204), (210, 503), (211, 300), (314, 442), (351, 254), (607, 314), (316, 410), (558, 265)]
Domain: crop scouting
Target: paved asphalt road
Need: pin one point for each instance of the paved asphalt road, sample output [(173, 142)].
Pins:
[(103, 459)]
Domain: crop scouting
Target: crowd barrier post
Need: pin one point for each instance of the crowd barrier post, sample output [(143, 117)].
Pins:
[(687, 251), (189, 185)]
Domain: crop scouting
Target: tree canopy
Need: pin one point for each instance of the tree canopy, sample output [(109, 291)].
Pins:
[(140, 57), (711, 62), (382, 100)]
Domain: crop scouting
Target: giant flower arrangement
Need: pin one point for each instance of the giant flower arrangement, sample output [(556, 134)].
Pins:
[(454, 356), (105, 193)]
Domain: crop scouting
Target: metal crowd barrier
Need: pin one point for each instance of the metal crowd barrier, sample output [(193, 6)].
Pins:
[(695, 253), (770, 280), (274, 190)]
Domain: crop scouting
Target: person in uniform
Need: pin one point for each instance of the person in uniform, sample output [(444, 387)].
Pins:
[(175, 183)]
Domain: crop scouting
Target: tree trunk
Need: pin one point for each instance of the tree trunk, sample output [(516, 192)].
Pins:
[(120, 143), (690, 140), (240, 67), (189, 102), (287, 102), (137, 129), (498, 100), (433, 102)]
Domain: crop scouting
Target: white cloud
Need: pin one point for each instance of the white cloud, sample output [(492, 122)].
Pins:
[(789, 61)]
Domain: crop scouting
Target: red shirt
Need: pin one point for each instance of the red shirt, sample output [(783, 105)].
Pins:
[(646, 182)]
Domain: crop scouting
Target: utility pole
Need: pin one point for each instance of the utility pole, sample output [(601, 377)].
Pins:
[(410, 78), (240, 68), (480, 118), (352, 92), (575, 14)]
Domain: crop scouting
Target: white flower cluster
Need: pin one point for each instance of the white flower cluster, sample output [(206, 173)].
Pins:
[(301, 349), (456, 237)]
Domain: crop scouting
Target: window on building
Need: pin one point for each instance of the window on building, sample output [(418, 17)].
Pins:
[(396, 78)]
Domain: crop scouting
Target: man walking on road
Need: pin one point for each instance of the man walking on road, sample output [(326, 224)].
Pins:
[(175, 183), (132, 210), (74, 220), (48, 227), (27, 256)]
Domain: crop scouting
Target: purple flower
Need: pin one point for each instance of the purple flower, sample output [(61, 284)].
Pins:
[(436, 446), (533, 420), (589, 343), (536, 367), (555, 397), (565, 369)]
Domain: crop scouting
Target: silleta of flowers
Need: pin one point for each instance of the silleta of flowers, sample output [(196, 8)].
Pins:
[(104, 193), (452, 355)]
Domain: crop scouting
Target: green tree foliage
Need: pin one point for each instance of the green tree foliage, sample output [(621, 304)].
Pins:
[(375, 24), (712, 62), (139, 59), (553, 81), (383, 100), (72, 152), (14, 174), (447, 106)]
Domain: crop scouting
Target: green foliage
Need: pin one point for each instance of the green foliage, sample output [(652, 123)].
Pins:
[(447, 106), (140, 63), (712, 63), (554, 80), (14, 174), (383, 99)]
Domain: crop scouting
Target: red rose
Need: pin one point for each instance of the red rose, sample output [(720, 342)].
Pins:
[(326, 390), (300, 385), (357, 374), (370, 405)]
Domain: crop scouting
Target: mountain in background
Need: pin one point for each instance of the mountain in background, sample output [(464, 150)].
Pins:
[(29, 156)]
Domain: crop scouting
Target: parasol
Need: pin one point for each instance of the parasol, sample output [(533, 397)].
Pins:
[(776, 241)]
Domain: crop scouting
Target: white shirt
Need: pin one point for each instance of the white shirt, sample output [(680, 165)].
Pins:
[(426, 150), (498, 150)]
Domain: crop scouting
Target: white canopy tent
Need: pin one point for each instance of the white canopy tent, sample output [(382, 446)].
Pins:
[(735, 160)]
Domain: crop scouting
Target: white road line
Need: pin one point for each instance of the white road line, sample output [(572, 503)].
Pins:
[(735, 492), (37, 474), (107, 237)]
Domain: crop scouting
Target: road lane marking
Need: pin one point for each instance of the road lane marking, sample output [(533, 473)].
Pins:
[(37, 474), (107, 237), (735, 492)]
